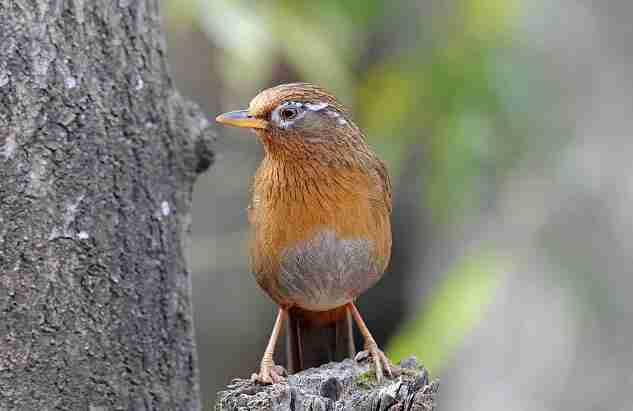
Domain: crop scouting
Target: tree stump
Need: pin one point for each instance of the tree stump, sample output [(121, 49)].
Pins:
[(345, 385)]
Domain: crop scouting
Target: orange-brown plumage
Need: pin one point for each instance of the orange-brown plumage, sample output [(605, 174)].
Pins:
[(294, 201), (320, 207)]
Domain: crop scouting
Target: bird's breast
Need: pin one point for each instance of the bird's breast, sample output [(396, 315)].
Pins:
[(318, 244), (325, 271)]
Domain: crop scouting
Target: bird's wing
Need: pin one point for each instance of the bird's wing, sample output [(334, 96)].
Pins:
[(382, 195)]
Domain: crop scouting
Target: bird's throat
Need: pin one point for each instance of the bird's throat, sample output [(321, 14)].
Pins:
[(316, 183)]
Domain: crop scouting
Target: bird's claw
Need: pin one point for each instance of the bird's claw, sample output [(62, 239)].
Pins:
[(381, 362), (269, 373)]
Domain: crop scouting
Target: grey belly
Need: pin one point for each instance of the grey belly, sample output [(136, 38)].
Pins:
[(326, 272)]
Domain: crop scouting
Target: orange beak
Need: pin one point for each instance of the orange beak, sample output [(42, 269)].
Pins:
[(241, 118)]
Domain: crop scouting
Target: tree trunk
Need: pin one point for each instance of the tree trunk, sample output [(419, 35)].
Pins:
[(98, 155)]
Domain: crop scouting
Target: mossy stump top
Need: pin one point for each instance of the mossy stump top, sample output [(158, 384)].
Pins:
[(346, 385)]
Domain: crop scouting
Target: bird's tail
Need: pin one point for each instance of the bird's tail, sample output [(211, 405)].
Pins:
[(316, 338)]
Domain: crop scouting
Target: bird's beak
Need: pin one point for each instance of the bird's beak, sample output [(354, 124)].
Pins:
[(241, 118)]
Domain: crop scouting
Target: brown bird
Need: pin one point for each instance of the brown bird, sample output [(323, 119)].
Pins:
[(320, 228)]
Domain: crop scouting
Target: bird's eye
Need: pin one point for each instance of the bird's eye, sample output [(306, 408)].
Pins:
[(288, 113)]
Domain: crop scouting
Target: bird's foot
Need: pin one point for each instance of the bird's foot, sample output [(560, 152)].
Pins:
[(269, 373), (381, 362)]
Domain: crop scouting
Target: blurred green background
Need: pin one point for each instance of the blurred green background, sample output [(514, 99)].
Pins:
[(505, 125)]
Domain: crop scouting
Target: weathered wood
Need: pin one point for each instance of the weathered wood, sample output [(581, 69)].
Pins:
[(346, 385), (98, 156)]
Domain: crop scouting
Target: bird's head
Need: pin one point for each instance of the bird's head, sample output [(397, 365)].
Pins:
[(299, 120)]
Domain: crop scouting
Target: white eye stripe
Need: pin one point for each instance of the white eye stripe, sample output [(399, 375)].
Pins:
[(291, 104), (316, 106), (302, 109)]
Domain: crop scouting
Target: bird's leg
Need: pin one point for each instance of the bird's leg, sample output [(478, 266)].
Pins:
[(269, 373), (371, 348)]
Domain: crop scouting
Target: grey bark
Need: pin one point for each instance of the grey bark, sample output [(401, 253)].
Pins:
[(98, 156), (346, 385)]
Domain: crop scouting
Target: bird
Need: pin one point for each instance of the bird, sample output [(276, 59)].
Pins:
[(320, 230)]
